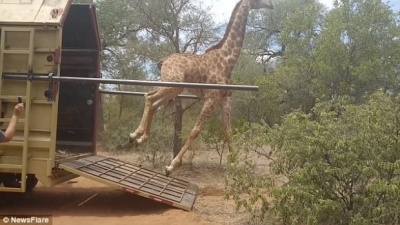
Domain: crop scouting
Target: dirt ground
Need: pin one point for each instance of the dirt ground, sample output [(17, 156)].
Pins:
[(82, 201)]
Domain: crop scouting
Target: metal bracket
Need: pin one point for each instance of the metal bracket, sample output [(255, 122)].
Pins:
[(30, 76), (50, 93)]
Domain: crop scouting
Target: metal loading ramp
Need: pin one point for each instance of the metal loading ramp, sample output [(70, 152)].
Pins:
[(135, 180)]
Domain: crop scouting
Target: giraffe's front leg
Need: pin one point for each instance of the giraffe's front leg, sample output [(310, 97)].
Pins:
[(134, 136), (137, 134), (153, 100), (146, 131)]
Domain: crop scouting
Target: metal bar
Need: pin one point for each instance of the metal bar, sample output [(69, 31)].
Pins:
[(135, 82), (81, 50), (166, 185), (129, 174), (148, 179), (141, 94)]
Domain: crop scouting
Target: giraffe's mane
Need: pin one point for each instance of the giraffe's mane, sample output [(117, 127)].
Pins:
[(228, 28)]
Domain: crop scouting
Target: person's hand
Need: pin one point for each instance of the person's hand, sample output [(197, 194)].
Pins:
[(18, 109)]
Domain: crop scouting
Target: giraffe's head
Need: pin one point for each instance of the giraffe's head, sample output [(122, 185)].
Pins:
[(261, 4)]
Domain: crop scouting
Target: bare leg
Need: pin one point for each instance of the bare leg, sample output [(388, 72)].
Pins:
[(167, 94), (227, 120), (208, 107)]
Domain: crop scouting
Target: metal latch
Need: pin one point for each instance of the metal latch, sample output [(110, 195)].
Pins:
[(51, 92)]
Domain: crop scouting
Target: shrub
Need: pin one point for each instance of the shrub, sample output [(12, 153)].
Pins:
[(340, 164)]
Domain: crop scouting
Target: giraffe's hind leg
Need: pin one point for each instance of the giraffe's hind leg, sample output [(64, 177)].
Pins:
[(208, 107), (227, 120)]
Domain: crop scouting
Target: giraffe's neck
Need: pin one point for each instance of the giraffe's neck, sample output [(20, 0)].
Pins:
[(228, 28), (232, 43), (235, 35)]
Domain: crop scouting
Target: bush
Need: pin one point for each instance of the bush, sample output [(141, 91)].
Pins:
[(340, 164), (212, 136), (157, 150), (115, 137)]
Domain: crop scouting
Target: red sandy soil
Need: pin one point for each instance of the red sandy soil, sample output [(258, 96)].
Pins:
[(70, 203)]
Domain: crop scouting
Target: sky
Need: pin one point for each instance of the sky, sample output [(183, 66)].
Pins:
[(221, 9)]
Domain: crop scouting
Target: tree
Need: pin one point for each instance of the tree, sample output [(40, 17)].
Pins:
[(357, 51), (263, 105), (317, 54)]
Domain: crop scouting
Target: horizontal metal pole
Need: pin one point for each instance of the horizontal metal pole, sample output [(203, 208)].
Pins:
[(135, 82), (141, 94)]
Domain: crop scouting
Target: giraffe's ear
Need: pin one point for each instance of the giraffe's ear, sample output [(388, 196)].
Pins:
[(270, 5), (261, 4)]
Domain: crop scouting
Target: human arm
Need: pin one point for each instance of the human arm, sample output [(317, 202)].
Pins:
[(10, 131)]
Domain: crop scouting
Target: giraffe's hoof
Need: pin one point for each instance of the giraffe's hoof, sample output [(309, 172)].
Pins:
[(132, 137), (168, 171), (141, 139)]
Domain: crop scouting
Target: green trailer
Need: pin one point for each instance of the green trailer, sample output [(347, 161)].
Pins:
[(56, 135)]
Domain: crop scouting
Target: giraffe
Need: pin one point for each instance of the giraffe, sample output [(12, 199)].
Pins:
[(213, 67)]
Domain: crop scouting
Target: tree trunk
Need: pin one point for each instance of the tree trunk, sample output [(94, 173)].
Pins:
[(121, 102), (178, 126)]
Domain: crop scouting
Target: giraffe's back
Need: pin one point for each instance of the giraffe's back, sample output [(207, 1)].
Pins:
[(190, 68)]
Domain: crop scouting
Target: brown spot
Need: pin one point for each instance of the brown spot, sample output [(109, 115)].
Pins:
[(230, 43), (203, 70), (233, 35), (236, 25), (184, 61), (236, 51), (231, 61)]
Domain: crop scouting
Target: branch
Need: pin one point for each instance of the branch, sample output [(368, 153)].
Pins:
[(186, 46), (129, 31), (265, 155), (111, 51), (183, 110), (154, 24), (271, 31), (191, 105)]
